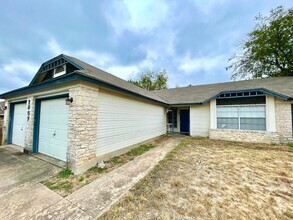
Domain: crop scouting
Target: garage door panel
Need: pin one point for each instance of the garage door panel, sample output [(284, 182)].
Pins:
[(53, 134), (19, 122)]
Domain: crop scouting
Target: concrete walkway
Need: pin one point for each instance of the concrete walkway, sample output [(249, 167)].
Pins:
[(94, 199)]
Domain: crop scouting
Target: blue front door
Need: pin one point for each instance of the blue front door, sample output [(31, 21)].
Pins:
[(184, 120)]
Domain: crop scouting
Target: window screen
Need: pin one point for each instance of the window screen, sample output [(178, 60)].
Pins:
[(241, 117)]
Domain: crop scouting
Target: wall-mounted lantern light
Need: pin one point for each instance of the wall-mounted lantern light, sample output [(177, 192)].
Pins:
[(4, 108), (69, 100)]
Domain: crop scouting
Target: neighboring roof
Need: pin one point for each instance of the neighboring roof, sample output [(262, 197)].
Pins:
[(2, 104), (279, 86), (103, 76)]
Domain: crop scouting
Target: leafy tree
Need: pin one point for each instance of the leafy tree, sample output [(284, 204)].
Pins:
[(268, 51), (151, 80)]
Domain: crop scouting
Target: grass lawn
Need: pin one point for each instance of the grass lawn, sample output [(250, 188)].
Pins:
[(64, 183), (209, 179)]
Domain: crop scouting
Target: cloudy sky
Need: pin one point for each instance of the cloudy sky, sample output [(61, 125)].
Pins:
[(191, 39)]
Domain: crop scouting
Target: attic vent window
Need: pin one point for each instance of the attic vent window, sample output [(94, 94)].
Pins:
[(60, 70)]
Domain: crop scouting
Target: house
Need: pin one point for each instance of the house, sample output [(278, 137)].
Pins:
[(79, 114), (2, 107)]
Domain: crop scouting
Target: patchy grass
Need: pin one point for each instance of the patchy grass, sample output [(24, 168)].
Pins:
[(140, 150), (64, 186), (64, 183), (65, 173), (290, 145), (208, 179)]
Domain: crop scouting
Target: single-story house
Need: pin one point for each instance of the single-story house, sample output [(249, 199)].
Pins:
[(79, 114)]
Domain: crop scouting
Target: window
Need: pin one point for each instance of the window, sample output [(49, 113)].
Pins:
[(60, 70), (169, 115), (243, 117)]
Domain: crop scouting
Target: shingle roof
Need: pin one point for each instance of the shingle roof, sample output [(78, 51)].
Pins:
[(2, 104), (279, 86), (103, 76), (201, 93)]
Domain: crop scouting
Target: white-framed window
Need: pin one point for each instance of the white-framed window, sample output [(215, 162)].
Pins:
[(242, 117), (60, 70)]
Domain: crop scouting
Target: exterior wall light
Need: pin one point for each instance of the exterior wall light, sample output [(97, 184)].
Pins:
[(3, 108), (69, 100)]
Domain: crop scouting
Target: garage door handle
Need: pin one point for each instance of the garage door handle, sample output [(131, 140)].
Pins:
[(54, 134), (21, 129)]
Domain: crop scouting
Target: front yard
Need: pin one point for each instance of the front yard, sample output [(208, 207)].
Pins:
[(65, 183), (208, 179)]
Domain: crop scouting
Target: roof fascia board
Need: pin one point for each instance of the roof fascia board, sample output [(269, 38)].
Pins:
[(75, 76)]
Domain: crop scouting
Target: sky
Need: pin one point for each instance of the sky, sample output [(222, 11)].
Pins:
[(191, 39)]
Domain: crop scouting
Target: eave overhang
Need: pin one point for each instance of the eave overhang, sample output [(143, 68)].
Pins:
[(70, 77)]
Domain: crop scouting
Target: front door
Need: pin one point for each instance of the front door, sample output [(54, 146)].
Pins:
[(184, 121)]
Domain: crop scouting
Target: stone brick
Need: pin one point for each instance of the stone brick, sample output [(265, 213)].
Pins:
[(284, 120), (82, 126), (244, 136), (5, 124), (29, 130)]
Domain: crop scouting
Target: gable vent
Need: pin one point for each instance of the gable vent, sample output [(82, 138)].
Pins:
[(60, 70)]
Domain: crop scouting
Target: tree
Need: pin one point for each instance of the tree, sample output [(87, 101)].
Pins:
[(268, 51), (151, 80)]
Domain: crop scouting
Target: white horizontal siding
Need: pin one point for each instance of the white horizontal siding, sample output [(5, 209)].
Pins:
[(123, 122), (200, 120)]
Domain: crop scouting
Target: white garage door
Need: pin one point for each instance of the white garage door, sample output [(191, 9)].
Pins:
[(53, 128), (19, 121)]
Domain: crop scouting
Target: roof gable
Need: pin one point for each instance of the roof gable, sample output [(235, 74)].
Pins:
[(47, 69)]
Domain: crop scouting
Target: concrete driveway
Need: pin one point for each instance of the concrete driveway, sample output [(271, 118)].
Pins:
[(21, 194), (17, 168)]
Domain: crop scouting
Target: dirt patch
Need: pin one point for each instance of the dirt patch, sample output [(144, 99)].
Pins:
[(209, 179), (64, 183)]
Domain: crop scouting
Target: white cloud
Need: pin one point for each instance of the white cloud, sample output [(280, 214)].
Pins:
[(138, 15), (96, 59), (193, 65), (124, 72), (208, 7), (21, 66), (54, 47), (16, 74)]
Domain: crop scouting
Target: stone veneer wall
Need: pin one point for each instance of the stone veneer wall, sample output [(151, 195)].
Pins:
[(29, 129), (284, 120), (5, 124), (82, 128), (244, 136)]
